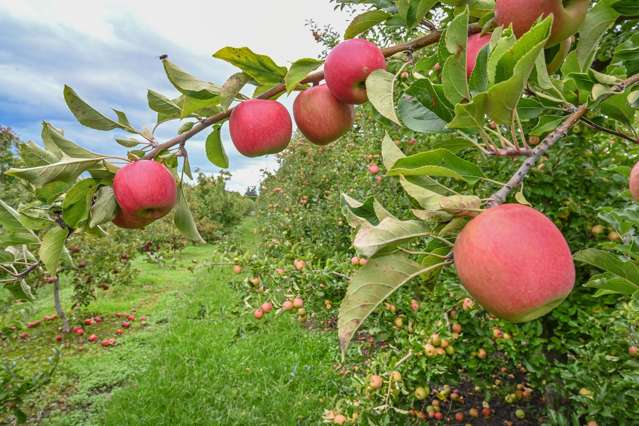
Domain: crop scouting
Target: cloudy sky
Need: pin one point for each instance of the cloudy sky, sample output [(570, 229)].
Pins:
[(108, 52)]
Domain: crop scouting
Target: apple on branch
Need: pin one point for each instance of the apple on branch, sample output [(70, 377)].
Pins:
[(260, 127), (145, 191), (320, 116), (347, 67)]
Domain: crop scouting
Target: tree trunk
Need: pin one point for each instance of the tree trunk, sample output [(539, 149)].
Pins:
[(58, 305)]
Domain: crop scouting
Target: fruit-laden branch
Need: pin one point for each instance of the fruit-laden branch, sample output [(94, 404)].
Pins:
[(576, 115), (418, 43)]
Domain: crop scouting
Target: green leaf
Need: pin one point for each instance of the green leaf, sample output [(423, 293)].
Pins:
[(77, 203), (598, 20), (184, 219), (369, 287), (128, 142), (426, 198), (231, 88), (67, 170), (52, 190), (187, 84), (162, 104), (364, 22), (618, 108), (90, 117), (387, 234), (204, 107), (55, 142), (379, 89), (390, 152), (454, 69), (298, 72), (628, 271), (33, 155), (432, 97), (15, 230), (215, 150), (51, 248), (185, 127), (358, 213), (261, 68), (417, 117), (438, 162), (104, 208)]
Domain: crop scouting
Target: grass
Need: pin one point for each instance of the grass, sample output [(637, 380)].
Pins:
[(203, 359)]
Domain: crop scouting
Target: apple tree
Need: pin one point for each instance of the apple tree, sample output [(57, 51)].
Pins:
[(505, 78)]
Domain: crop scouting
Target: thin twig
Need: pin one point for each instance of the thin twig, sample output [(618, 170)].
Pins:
[(604, 129)]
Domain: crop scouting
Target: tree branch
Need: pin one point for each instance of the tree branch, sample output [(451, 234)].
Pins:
[(500, 196), (315, 77), (604, 129)]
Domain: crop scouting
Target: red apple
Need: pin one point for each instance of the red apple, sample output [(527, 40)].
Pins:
[(634, 182), (145, 191), (92, 338), (119, 331), (363, 261), (354, 260), (522, 14), (320, 116), (237, 269), (126, 324), (89, 321), (267, 307), (78, 331), (58, 338), (299, 264), (375, 381), (287, 305), (298, 302), (260, 127), (348, 65), (476, 43), (259, 313), (131, 318), (515, 262), (373, 169), (633, 351)]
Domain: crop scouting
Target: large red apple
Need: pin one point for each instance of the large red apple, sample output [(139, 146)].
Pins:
[(145, 191), (634, 182), (522, 14), (348, 65), (476, 43), (515, 262), (260, 127), (320, 116)]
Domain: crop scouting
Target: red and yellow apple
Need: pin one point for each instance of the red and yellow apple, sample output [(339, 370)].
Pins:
[(634, 182), (320, 116), (515, 262), (260, 127), (348, 65)]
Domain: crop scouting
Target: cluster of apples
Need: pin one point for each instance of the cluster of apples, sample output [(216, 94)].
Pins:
[(322, 113), (522, 15)]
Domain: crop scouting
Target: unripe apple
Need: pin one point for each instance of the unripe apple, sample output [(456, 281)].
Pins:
[(468, 304), (481, 353), (298, 303), (375, 382), (634, 182), (260, 127), (396, 376), (435, 339), (145, 191), (614, 236), (299, 264), (457, 328), (414, 305), (320, 116), (515, 262), (266, 307), (522, 14), (473, 412), (373, 169), (597, 230), (279, 271), (348, 65), (476, 43), (259, 313), (421, 393), (237, 269)]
